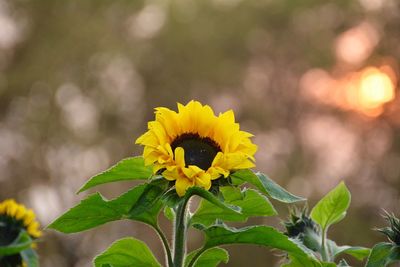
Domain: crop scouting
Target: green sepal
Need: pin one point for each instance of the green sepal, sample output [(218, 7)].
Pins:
[(383, 254), (332, 207), (21, 242), (393, 230), (265, 185), (251, 202), (210, 258), (127, 252), (127, 169)]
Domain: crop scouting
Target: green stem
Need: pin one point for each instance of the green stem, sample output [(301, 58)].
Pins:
[(196, 256), (166, 245), (180, 234), (324, 254)]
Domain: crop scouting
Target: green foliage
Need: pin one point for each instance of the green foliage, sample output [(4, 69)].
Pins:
[(295, 262), (22, 241), (141, 203), (212, 199), (209, 258), (259, 235), (393, 230), (126, 169), (93, 211), (265, 185), (30, 257), (299, 223), (305, 241), (149, 204), (311, 231), (332, 207), (169, 213), (22, 246), (250, 202), (359, 253), (127, 252), (383, 254)]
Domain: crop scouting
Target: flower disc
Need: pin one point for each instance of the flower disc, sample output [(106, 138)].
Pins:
[(194, 147)]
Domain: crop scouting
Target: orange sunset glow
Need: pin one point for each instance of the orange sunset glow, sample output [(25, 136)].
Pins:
[(366, 91)]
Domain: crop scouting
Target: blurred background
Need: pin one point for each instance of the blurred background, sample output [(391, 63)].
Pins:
[(315, 81)]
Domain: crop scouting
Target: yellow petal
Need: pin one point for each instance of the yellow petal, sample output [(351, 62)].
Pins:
[(20, 212), (203, 180), (217, 172), (180, 156), (181, 185), (172, 174), (192, 171)]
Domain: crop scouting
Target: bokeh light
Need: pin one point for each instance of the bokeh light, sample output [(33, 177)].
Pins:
[(376, 89), (365, 91)]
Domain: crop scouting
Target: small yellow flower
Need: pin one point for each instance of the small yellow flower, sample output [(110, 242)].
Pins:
[(12, 212), (193, 146)]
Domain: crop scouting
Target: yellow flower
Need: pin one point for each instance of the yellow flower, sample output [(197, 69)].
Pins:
[(12, 212), (194, 147)]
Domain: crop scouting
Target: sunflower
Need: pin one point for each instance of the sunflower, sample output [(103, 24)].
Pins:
[(20, 217), (14, 218), (193, 146)]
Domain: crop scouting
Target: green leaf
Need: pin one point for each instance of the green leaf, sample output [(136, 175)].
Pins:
[(22, 241), (258, 235), (357, 252), (127, 252), (171, 198), (149, 204), (383, 254), (30, 257), (296, 262), (140, 203), (210, 258), (169, 213), (93, 211), (251, 202), (265, 185), (302, 262), (332, 208), (212, 199), (126, 169), (328, 264)]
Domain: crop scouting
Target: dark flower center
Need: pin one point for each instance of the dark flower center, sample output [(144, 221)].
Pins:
[(11, 261), (9, 230), (199, 151)]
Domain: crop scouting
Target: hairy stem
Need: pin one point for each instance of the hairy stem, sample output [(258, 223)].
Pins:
[(180, 234), (166, 245), (324, 253)]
